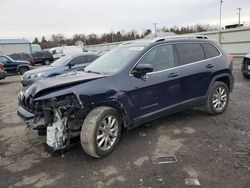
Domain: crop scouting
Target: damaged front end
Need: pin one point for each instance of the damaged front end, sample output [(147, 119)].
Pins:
[(59, 118)]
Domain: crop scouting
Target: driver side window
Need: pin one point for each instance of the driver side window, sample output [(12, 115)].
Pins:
[(161, 58)]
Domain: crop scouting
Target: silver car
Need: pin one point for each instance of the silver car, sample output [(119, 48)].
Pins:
[(60, 66)]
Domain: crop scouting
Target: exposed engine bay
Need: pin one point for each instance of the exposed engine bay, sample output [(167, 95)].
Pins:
[(59, 119)]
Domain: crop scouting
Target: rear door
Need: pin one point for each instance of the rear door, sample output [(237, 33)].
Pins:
[(195, 77), (159, 89)]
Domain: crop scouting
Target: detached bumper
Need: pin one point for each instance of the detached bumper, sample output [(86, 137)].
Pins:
[(24, 114)]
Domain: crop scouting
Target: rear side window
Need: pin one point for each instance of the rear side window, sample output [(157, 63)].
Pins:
[(210, 50), (79, 60), (14, 56), (189, 53), (161, 58), (26, 56)]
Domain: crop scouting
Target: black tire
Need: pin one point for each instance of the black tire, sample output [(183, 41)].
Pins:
[(22, 70), (46, 62), (90, 130), (210, 106), (246, 76)]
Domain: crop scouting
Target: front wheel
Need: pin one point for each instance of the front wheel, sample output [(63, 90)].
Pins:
[(22, 70), (218, 98), (101, 131)]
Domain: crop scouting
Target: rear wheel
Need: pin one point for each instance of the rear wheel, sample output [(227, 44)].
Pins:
[(46, 62), (101, 131), (22, 70), (218, 98)]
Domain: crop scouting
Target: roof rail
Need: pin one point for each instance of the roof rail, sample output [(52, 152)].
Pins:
[(179, 37)]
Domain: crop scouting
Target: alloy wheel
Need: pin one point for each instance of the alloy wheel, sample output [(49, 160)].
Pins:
[(107, 133), (220, 98)]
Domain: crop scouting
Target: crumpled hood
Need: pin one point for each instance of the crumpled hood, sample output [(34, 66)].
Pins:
[(46, 85)]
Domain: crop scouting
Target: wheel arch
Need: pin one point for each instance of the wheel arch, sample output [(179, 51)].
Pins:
[(225, 78), (126, 119), (23, 65)]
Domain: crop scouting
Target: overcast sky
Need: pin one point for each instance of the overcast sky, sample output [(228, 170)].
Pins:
[(30, 18)]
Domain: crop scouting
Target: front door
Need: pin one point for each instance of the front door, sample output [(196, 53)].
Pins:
[(159, 89)]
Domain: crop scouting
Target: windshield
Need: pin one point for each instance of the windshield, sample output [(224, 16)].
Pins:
[(113, 61), (61, 62)]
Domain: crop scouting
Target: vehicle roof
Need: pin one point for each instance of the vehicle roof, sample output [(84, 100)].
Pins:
[(161, 40), (14, 41)]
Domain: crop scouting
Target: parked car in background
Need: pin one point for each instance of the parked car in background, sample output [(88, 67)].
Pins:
[(13, 66), (43, 57), (58, 52), (23, 57), (2, 72), (60, 66), (246, 66), (133, 84)]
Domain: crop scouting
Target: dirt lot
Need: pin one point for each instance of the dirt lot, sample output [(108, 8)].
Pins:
[(213, 151)]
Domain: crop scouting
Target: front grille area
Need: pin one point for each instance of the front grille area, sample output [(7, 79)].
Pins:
[(24, 101)]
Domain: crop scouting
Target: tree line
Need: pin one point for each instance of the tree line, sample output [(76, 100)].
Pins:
[(59, 39)]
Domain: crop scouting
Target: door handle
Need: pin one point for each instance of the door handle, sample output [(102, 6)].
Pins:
[(209, 66), (173, 75)]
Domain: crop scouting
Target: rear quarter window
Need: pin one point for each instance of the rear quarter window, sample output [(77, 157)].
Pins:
[(189, 53), (210, 50)]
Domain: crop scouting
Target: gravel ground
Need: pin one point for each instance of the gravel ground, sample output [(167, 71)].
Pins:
[(211, 151)]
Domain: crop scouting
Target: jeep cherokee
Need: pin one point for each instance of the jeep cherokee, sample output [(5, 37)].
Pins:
[(133, 84)]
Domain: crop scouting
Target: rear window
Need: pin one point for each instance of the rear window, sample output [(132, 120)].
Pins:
[(25, 56), (210, 50), (190, 52), (15, 56)]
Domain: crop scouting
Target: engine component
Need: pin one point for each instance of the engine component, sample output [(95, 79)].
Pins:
[(56, 133)]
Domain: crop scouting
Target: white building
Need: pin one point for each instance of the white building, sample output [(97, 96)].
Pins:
[(9, 46)]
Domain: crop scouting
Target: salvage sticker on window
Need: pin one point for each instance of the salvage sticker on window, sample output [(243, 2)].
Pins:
[(136, 48)]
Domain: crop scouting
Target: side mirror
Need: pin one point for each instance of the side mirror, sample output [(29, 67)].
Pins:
[(142, 69), (70, 65)]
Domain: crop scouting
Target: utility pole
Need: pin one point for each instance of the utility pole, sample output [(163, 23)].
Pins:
[(155, 24), (239, 9), (112, 36), (220, 21)]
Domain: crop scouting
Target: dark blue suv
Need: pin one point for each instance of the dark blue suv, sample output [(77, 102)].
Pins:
[(15, 66), (133, 84)]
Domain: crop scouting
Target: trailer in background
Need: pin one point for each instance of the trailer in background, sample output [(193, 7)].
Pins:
[(10, 46)]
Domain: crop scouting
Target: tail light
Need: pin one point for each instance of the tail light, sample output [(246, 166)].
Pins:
[(231, 58), (1, 67)]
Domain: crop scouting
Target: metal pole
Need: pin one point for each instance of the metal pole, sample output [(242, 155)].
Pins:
[(155, 29), (220, 21), (239, 9)]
